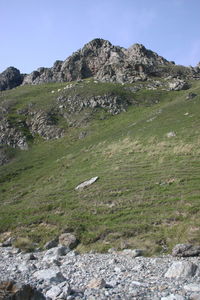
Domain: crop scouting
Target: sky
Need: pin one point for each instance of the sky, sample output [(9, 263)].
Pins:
[(35, 33)]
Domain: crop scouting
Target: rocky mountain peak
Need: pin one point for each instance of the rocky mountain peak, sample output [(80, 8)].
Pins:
[(97, 43), (103, 61)]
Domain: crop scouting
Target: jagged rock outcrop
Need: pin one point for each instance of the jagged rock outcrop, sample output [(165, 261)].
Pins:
[(11, 135), (44, 124), (10, 78), (105, 62), (114, 104), (4, 158)]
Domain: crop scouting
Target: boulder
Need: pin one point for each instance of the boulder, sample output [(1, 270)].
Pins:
[(17, 291), (133, 253), (52, 255), (59, 291), (86, 183), (10, 78), (181, 269), (53, 292), (68, 240), (178, 85), (96, 283), (186, 250), (51, 276)]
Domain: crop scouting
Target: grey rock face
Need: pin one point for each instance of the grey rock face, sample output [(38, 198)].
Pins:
[(181, 269), (10, 78), (186, 250), (44, 124), (112, 103), (11, 136)]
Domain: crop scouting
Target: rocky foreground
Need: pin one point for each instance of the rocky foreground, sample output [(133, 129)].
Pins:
[(61, 273)]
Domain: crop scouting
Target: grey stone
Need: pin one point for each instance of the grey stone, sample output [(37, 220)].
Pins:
[(192, 287), (183, 269), (51, 276), (66, 290), (8, 242), (178, 85), (53, 292), (96, 283), (186, 250), (173, 297), (133, 253), (53, 255)]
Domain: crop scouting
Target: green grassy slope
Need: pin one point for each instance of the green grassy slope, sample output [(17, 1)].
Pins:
[(147, 195)]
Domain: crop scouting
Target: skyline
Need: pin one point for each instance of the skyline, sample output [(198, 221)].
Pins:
[(37, 33)]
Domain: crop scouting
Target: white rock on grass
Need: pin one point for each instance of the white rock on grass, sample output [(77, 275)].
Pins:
[(171, 134), (86, 183), (182, 269)]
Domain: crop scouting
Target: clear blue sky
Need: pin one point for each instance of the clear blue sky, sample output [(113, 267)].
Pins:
[(35, 33)]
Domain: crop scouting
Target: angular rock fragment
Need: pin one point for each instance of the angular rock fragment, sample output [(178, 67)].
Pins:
[(186, 250), (68, 240), (86, 183), (17, 291), (181, 269)]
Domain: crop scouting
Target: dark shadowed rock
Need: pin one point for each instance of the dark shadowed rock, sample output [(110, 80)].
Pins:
[(191, 96), (51, 244), (17, 291), (10, 78), (186, 250)]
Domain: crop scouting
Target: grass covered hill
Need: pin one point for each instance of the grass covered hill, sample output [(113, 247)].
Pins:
[(147, 158)]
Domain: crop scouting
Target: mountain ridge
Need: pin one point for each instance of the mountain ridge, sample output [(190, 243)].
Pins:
[(104, 62)]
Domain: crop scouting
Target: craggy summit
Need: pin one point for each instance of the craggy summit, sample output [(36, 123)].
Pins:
[(103, 61)]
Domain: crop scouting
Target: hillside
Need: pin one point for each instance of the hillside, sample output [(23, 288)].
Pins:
[(147, 195), (132, 121)]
